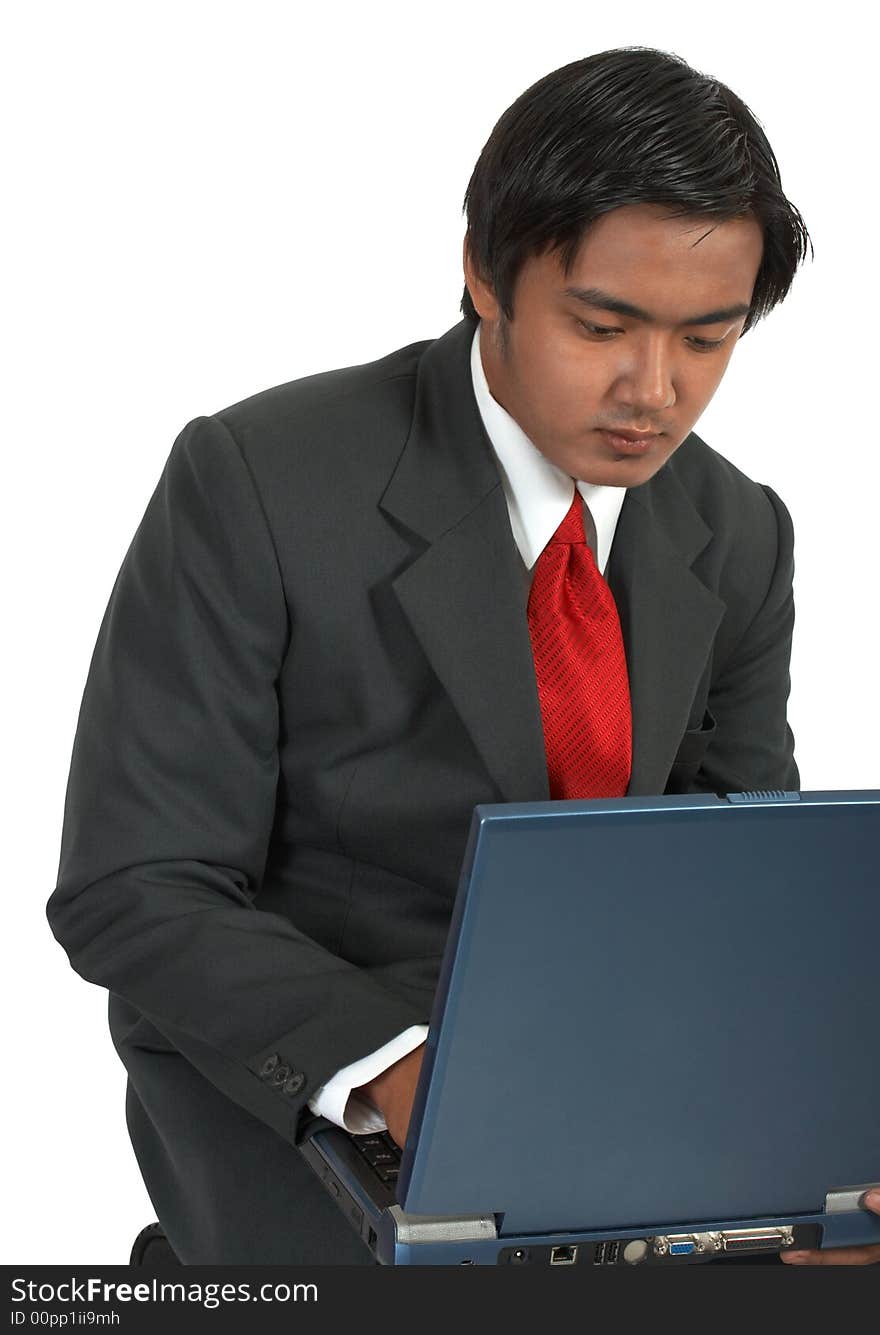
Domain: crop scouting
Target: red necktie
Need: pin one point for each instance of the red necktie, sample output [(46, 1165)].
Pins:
[(580, 668)]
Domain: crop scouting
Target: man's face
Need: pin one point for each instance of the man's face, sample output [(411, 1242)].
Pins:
[(562, 381)]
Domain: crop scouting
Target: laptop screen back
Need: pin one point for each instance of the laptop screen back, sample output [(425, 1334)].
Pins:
[(654, 1009)]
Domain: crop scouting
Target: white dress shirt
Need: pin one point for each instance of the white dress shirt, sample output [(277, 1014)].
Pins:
[(538, 496)]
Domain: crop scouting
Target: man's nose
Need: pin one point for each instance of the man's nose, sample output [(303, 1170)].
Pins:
[(647, 381)]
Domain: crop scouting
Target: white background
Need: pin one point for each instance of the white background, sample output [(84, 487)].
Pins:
[(203, 200)]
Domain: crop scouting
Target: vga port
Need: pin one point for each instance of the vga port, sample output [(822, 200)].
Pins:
[(683, 1244)]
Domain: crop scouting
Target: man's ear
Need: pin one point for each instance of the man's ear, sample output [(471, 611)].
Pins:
[(481, 293)]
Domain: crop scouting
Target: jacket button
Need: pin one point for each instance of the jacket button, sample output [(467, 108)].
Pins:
[(269, 1066), (278, 1076), (294, 1083)]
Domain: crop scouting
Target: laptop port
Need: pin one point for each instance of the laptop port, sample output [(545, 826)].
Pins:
[(612, 1253), (756, 1239), (682, 1248), (563, 1255), (686, 1244), (599, 1253)]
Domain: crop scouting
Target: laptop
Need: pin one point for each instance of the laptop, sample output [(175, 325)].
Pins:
[(654, 1041)]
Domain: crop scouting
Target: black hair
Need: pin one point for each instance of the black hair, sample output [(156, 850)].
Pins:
[(633, 125)]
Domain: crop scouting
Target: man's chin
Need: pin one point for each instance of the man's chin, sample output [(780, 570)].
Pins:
[(627, 471)]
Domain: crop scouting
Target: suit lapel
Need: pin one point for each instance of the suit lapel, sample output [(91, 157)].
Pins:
[(462, 593), (668, 619)]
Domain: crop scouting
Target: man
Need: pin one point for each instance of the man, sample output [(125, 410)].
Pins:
[(362, 602)]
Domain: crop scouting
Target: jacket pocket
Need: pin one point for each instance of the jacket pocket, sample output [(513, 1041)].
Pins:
[(693, 745), (147, 1038)]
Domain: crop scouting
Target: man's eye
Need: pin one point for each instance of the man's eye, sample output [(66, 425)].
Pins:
[(700, 344), (598, 329)]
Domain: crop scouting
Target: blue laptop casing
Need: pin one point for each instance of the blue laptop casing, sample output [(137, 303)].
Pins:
[(656, 1017)]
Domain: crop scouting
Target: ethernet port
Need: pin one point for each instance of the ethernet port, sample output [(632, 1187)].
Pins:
[(563, 1255)]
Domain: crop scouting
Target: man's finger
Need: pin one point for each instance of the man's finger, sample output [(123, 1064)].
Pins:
[(835, 1256)]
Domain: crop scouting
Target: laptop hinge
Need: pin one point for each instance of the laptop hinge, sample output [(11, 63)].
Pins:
[(764, 795), (848, 1198), (413, 1228)]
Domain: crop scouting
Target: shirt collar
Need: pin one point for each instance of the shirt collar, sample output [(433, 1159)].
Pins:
[(538, 494)]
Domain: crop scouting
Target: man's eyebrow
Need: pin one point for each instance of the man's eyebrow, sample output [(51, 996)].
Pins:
[(594, 296)]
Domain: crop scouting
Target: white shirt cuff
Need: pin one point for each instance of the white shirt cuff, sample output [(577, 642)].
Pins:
[(334, 1099)]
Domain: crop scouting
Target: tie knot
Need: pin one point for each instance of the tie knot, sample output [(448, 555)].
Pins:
[(571, 530)]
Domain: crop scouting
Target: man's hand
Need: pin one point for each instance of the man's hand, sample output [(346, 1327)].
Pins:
[(393, 1091), (842, 1255)]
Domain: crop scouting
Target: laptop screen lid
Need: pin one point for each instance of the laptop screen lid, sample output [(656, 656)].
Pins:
[(654, 1009)]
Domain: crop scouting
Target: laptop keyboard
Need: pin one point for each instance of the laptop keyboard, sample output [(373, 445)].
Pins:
[(381, 1153)]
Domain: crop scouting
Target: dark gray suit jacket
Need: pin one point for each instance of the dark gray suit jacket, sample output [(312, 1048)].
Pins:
[(315, 661)]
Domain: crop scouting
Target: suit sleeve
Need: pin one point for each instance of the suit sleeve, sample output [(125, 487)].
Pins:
[(171, 800), (753, 746)]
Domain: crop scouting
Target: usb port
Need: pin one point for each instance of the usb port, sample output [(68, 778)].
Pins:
[(599, 1253), (612, 1253)]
